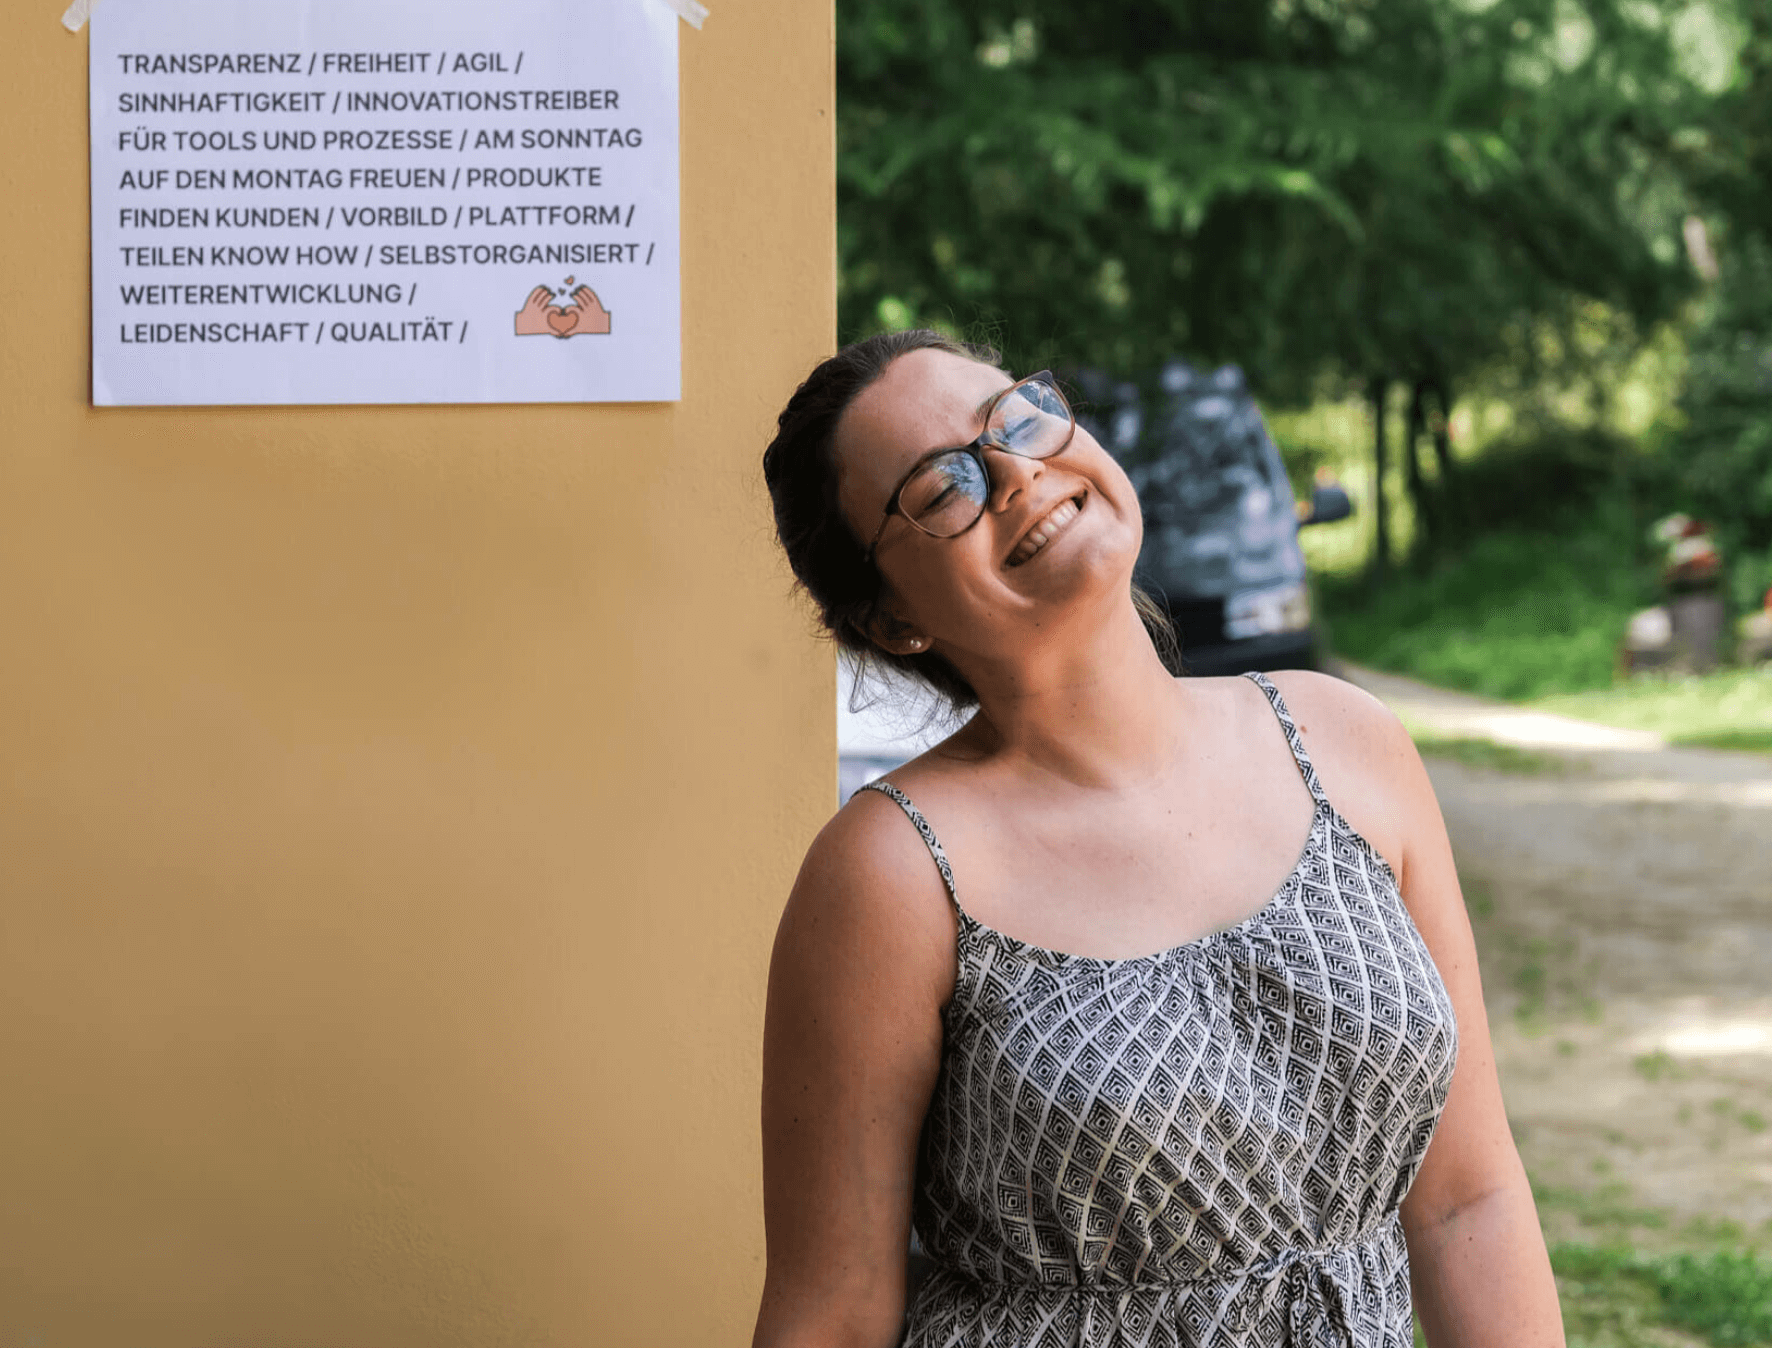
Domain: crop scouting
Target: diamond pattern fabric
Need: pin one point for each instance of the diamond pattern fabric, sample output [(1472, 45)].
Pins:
[(1204, 1146)]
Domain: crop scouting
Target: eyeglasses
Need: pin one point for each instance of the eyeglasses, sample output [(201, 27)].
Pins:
[(945, 493)]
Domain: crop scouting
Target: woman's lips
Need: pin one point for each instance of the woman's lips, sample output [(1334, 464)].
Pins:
[(1055, 522)]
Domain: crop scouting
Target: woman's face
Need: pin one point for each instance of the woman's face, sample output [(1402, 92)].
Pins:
[(981, 591)]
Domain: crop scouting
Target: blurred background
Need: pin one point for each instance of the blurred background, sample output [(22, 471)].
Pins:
[(1480, 291)]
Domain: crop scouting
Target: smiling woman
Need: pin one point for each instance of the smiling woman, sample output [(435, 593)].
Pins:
[(831, 564), (1191, 1099)]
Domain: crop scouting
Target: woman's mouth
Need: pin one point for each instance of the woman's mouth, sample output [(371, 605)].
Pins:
[(1055, 522)]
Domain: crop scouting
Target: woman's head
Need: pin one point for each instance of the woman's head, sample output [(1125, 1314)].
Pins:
[(872, 416)]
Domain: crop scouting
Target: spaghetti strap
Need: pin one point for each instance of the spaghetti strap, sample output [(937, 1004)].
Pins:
[(887, 789), (1294, 740)]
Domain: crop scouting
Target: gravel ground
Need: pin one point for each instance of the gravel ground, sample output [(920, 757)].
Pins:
[(1621, 893)]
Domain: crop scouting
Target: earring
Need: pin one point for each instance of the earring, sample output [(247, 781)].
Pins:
[(918, 644)]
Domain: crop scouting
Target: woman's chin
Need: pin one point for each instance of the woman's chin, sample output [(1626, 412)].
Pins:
[(1093, 576), (1097, 558)]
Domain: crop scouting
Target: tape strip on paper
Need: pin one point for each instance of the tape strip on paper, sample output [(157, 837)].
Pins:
[(692, 11)]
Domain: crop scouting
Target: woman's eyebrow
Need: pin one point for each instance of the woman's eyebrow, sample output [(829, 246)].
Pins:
[(978, 413)]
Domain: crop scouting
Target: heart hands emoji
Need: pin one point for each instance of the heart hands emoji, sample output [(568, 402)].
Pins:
[(541, 316)]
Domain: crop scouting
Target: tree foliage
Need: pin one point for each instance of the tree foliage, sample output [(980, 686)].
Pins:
[(1724, 456), (1353, 188)]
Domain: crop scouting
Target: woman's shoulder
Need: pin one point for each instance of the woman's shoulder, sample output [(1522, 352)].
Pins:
[(870, 894), (1339, 713), (1365, 760), (1333, 715), (880, 831)]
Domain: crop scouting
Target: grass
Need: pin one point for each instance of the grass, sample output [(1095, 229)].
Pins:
[(1614, 1296), (1535, 616), (1516, 615), (1606, 1301), (1725, 1296), (1482, 753), (1731, 709), (1742, 741)]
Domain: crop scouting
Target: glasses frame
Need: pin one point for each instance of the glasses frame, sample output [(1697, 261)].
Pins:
[(974, 451)]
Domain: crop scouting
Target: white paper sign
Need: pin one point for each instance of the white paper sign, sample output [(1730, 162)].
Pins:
[(384, 201)]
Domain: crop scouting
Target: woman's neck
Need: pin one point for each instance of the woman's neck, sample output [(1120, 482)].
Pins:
[(1095, 708)]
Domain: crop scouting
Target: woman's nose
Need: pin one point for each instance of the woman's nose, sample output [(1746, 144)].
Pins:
[(1011, 474)]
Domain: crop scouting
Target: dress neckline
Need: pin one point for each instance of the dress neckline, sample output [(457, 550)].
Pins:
[(1323, 814), (1047, 954)]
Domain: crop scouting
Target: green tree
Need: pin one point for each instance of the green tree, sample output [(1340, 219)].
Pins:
[(1723, 458)]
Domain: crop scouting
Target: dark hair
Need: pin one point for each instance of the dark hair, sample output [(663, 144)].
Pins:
[(828, 560)]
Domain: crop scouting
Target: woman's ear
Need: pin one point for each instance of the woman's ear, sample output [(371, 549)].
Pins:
[(895, 635)]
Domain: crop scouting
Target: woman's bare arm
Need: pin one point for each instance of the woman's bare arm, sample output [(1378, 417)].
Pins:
[(864, 961), (1477, 1256)]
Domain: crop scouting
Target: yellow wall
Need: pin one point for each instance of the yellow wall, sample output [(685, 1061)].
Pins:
[(395, 804)]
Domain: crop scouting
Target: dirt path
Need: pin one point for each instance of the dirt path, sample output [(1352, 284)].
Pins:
[(1621, 893)]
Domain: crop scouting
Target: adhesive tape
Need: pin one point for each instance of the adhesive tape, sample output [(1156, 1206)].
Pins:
[(80, 11), (693, 11)]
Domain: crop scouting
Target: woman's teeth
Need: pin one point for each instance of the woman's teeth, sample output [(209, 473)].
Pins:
[(1044, 532)]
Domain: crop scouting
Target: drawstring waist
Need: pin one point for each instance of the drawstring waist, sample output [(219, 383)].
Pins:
[(1306, 1293)]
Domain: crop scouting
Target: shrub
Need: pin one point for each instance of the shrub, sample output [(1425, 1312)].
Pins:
[(1517, 613)]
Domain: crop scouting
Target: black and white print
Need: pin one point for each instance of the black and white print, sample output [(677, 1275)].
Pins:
[(1204, 1146)]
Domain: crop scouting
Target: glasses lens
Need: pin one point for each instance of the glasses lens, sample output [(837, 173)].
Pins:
[(946, 495), (1032, 420)]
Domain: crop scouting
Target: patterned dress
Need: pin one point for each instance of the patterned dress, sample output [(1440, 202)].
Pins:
[(1204, 1146)]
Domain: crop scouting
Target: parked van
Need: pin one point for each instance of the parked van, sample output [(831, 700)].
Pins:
[(1220, 522)]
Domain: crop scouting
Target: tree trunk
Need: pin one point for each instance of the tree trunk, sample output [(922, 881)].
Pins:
[(1377, 392), (1440, 428), (1442, 432), (1418, 488)]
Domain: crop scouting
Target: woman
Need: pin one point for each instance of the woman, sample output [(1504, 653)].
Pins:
[(1168, 1109)]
